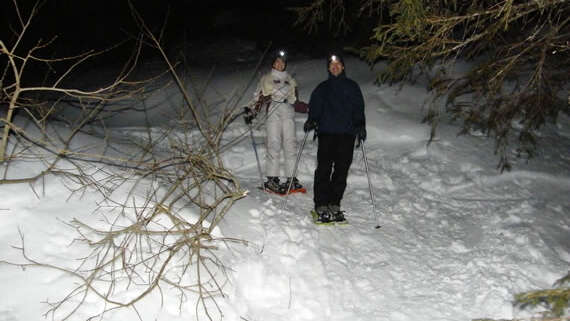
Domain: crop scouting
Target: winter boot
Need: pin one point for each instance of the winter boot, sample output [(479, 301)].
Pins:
[(296, 187), (324, 214), (336, 214), (272, 185)]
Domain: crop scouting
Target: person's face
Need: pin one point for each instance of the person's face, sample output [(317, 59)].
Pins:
[(336, 67), (279, 64)]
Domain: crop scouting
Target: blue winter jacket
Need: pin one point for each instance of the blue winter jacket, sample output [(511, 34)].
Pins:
[(337, 106)]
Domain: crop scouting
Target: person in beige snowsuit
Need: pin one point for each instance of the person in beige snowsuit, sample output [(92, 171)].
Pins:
[(273, 99)]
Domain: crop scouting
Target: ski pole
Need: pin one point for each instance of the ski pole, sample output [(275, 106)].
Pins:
[(256, 155), (295, 170), (369, 184)]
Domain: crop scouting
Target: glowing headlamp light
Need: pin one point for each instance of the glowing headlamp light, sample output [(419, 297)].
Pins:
[(334, 58)]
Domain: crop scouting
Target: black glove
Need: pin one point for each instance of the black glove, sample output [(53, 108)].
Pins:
[(360, 136), (309, 125), (249, 115)]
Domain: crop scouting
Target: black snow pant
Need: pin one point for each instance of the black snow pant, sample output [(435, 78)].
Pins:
[(334, 156)]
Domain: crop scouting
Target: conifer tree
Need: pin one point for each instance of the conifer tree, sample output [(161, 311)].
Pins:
[(557, 300), (519, 53)]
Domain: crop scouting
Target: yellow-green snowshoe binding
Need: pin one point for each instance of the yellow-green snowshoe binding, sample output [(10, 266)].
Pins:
[(316, 220)]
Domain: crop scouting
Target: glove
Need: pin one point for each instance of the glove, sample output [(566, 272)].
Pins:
[(262, 101), (249, 115), (309, 125), (360, 136)]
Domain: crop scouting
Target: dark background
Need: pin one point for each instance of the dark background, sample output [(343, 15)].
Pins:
[(79, 25), (205, 34)]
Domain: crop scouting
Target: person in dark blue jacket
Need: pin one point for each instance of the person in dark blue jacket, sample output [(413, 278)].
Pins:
[(336, 113)]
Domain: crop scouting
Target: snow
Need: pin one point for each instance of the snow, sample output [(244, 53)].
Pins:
[(457, 238)]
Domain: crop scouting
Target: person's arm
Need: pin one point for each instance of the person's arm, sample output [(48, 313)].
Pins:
[(315, 109), (297, 94), (359, 118), (315, 105), (257, 93), (262, 94), (293, 92)]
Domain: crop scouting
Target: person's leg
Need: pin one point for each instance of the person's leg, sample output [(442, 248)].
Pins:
[(342, 161), (287, 115), (273, 128), (322, 184)]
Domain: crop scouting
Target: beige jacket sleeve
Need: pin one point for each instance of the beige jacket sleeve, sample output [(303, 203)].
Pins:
[(293, 92)]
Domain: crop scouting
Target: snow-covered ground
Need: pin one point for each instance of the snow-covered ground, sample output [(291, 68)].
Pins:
[(457, 238)]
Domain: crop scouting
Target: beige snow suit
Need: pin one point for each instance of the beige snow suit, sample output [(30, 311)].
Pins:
[(280, 124)]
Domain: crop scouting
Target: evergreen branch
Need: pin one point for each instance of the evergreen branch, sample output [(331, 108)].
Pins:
[(557, 299)]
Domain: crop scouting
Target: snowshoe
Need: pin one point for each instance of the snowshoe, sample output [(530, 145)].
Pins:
[(336, 214), (296, 187), (324, 216), (272, 185)]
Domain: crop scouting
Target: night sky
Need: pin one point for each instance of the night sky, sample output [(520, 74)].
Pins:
[(199, 27), (86, 24)]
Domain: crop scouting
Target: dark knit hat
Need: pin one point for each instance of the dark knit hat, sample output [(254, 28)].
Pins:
[(281, 54), (334, 57)]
